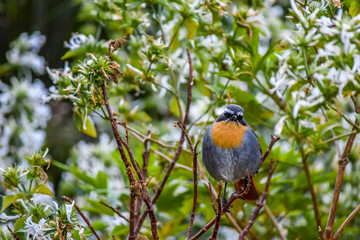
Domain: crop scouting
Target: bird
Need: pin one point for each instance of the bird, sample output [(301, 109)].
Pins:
[(229, 148)]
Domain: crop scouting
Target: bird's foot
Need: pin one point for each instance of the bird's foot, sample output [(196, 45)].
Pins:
[(224, 202)]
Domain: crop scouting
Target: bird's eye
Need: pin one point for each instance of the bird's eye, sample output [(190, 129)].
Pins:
[(240, 117), (226, 114)]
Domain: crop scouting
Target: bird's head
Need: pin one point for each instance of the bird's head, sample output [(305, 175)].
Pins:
[(233, 113)]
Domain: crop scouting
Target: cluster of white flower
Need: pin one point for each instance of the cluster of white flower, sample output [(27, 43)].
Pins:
[(336, 63), (23, 116), (24, 52)]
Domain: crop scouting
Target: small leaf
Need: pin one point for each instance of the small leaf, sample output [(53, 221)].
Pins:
[(10, 199), (20, 223), (42, 189), (192, 25), (89, 128), (354, 8), (174, 107)]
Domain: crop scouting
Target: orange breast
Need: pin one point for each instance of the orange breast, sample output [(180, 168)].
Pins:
[(227, 134)]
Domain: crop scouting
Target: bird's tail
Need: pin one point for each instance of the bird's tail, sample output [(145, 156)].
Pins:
[(253, 192)]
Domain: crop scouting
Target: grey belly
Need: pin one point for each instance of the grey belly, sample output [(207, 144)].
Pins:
[(230, 165)]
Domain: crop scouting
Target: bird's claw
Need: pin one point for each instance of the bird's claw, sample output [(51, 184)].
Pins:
[(224, 202)]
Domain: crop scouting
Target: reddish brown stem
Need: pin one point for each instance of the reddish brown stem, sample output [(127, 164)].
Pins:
[(212, 199), (274, 139), (82, 215), (133, 182), (145, 156), (312, 192), (12, 233), (259, 204), (115, 211), (346, 222), (218, 215), (343, 161)]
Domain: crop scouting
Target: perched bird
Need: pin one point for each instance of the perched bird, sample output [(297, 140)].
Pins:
[(230, 147)]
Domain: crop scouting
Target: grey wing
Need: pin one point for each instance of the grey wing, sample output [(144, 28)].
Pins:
[(254, 135), (249, 155)]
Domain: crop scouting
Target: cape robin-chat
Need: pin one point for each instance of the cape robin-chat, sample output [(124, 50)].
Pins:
[(230, 147)]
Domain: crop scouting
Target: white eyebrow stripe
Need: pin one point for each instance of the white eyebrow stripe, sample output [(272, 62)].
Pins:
[(229, 111), (239, 113)]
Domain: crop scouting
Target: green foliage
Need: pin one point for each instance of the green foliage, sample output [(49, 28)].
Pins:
[(293, 77)]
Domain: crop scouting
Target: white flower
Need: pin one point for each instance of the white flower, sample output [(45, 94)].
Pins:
[(5, 218), (78, 40), (36, 230), (279, 126), (68, 208)]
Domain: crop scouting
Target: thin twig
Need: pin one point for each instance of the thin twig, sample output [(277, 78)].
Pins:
[(134, 184), (312, 191), (274, 139), (212, 198), (346, 222), (218, 215), (343, 161), (145, 156), (259, 204), (192, 216), (238, 194), (276, 224), (179, 149), (12, 233), (115, 211), (82, 215)]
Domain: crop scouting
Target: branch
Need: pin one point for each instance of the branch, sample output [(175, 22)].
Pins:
[(312, 191), (260, 203), (274, 139), (343, 161), (145, 156), (82, 215), (180, 146), (12, 233), (116, 211), (133, 183), (346, 222), (276, 224), (211, 198), (218, 215)]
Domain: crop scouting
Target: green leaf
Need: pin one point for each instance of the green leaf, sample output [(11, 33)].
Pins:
[(83, 176), (42, 189), (354, 8), (174, 107), (162, 2), (89, 128), (192, 24), (10, 199), (20, 223), (74, 53), (102, 180)]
